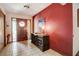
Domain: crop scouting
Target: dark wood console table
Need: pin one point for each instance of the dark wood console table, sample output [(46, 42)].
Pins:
[(41, 41)]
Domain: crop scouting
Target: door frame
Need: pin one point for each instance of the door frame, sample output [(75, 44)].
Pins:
[(12, 28), (4, 20), (4, 29)]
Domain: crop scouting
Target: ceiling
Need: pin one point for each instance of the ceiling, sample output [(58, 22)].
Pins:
[(18, 8)]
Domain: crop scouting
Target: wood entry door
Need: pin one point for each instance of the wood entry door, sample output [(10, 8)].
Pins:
[(2, 30), (21, 29)]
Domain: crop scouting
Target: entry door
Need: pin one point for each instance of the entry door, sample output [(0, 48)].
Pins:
[(1, 30), (21, 29)]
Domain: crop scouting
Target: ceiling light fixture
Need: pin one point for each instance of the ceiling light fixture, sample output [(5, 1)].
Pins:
[(26, 6)]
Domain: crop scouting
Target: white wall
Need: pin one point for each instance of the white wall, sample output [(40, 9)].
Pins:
[(29, 29), (35, 26), (3, 10), (8, 21), (75, 29)]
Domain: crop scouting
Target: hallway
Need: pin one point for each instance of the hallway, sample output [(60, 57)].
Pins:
[(48, 25), (25, 48)]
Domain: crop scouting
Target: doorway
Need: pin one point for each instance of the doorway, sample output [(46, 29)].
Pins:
[(19, 29)]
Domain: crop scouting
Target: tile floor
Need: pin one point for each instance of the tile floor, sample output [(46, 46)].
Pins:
[(26, 48)]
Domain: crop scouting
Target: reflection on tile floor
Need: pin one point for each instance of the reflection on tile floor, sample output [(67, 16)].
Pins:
[(25, 48)]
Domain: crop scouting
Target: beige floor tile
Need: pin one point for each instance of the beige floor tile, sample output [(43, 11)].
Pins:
[(26, 48)]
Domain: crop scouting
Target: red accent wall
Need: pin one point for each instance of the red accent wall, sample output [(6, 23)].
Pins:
[(59, 27)]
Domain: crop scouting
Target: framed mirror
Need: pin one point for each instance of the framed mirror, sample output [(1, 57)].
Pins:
[(41, 22)]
